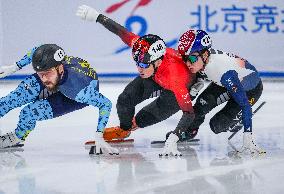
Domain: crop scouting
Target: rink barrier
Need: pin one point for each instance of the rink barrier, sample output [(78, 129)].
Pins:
[(278, 76)]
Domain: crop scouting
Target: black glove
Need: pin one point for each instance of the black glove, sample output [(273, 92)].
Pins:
[(184, 135)]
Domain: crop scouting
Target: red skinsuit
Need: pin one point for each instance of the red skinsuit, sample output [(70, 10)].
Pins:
[(172, 74)]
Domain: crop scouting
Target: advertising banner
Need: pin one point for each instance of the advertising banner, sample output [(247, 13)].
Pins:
[(251, 29)]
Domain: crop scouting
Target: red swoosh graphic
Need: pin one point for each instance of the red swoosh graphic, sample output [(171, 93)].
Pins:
[(140, 4), (116, 6)]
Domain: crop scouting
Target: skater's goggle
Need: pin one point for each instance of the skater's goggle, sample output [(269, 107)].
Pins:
[(143, 65), (191, 58), (47, 73)]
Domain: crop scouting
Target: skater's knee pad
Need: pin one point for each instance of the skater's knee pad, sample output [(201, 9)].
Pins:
[(144, 119), (219, 123)]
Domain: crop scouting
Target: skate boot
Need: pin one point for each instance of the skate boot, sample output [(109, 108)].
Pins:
[(9, 140), (171, 146), (250, 145)]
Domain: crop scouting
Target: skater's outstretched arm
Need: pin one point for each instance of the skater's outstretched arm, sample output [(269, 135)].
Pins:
[(90, 95), (90, 14), (12, 68)]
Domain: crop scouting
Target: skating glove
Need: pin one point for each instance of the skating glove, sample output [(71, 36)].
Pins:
[(8, 70), (102, 146), (171, 146), (87, 13)]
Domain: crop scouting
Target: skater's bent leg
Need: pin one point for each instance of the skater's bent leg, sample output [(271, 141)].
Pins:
[(211, 97), (226, 117), (160, 109), (27, 91), (52, 107), (125, 110), (36, 111), (135, 92), (231, 114)]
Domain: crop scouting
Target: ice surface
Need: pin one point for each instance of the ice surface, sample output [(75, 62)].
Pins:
[(55, 160)]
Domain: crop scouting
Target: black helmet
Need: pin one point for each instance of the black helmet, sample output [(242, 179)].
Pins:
[(47, 56), (148, 48)]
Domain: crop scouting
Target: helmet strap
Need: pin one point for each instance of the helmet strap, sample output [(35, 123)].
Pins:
[(155, 68)]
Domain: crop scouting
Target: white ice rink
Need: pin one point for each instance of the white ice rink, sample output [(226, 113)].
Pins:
[(54, 159)]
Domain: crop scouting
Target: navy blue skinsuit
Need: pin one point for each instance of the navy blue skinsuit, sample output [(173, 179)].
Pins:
[(78, 88)]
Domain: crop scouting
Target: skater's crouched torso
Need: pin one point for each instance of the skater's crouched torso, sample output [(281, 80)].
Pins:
[(77, 75)]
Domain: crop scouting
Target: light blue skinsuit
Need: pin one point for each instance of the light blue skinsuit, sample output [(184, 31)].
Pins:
[(78, 88)]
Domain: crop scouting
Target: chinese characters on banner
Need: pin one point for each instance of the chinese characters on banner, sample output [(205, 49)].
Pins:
[(265, 18), (231, 19)]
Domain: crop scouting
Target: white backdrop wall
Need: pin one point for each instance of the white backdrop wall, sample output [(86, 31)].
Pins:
[(252, 29)]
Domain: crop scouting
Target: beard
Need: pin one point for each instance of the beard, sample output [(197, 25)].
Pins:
[(52, 86)]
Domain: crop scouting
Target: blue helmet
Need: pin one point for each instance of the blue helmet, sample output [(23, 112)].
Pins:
[(194, 41)]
